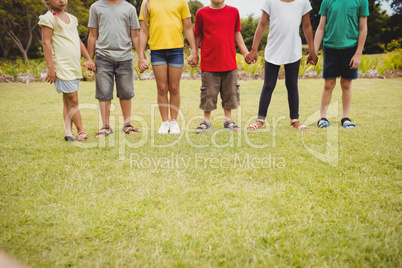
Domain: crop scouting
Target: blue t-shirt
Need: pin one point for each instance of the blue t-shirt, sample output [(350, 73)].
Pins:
[(342, 27)]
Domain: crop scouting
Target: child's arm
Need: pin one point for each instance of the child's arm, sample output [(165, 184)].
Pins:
[(89, 64), (308, 33), (93, 36), (135, 38), (142, 43), (253, 55), (240, 44), (198, 39), (319, 33), (47, 34), (188, 28), (355, 61)]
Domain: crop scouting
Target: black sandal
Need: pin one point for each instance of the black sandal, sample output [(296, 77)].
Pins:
[(128, 128), (203, 129), (105, 133), (323, 122), (232, 127), (347, 125)]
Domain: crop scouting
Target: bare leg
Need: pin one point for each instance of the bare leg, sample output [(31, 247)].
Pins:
[(161, 77), (329, 86), (104, 107), (346, 98), (67, 121), (174, 75), (126, 110), (74, 113), (228, 117), (207, 116)]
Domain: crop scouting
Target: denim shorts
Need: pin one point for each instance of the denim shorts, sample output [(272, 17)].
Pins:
[(336, 63), (108, 71), (69, 86), (226, 84), (173, 57)]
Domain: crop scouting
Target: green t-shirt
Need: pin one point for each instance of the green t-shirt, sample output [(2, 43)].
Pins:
[(342, 27)]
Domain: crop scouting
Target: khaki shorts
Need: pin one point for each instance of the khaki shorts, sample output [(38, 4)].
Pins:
[(224, 82)]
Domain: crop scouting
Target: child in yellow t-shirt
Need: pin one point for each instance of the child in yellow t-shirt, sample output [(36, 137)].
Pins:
[(62, 49), (163, 21)]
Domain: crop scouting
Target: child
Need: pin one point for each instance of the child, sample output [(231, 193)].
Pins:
[(284, 47), (343, 25), (113, 30), (218, 28), (62, 49), (164, 21)]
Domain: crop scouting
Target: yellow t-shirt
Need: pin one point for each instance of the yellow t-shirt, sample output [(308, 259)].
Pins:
[(165, 23), (65, 46)]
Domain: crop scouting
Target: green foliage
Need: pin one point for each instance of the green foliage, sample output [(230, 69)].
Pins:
[(394, 44), (36, 67), (318, 67), (194, 5), (365, 64), (249, 27), (12, 69)]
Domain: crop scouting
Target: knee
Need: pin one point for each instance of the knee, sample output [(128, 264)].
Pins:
[(346, 84), (72, 99), (329, 85), (162, 90), (174, 90)]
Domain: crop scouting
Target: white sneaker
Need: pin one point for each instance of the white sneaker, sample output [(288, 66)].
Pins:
[(174, 127), (164, 129)]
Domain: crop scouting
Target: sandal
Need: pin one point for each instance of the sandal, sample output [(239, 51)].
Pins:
[(323, 122), (82, 136), (203, 129), (69, 136), (347, 124), (107, 132), (231, 125), (296, 124), (256, 126), (128, 128)]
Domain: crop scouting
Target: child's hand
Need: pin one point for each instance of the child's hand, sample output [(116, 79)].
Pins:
[(355, 61), (251, 57), (51, 75), (143, 64), (193, 60), (245, 55), (90, 65), (312, 58)]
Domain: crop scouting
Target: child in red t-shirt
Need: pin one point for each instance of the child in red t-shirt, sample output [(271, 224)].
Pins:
[(218, 28)]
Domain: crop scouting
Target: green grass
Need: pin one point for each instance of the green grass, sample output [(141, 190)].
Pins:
[(257, 199)]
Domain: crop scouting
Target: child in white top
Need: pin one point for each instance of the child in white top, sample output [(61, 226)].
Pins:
[(284, 47), (62, 49)]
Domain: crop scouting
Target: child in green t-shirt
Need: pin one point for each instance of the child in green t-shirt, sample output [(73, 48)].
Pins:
[(343, 30)]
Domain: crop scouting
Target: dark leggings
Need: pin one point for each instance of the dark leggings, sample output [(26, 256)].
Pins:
[(291, 80)]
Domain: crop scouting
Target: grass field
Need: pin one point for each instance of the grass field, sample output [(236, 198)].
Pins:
[(273, 198)]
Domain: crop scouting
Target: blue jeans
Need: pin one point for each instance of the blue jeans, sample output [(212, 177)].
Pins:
[(172, 57)]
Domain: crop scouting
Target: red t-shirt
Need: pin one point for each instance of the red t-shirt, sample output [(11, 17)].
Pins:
[(217, 28)]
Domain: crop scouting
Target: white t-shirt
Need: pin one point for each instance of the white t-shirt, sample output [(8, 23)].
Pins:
[(65, 46), (284, 42)]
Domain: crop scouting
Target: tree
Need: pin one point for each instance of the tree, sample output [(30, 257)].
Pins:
[(19, 20), (194, 5)]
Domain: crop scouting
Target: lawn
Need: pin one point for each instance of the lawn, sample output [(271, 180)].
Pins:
[(272, 198)]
